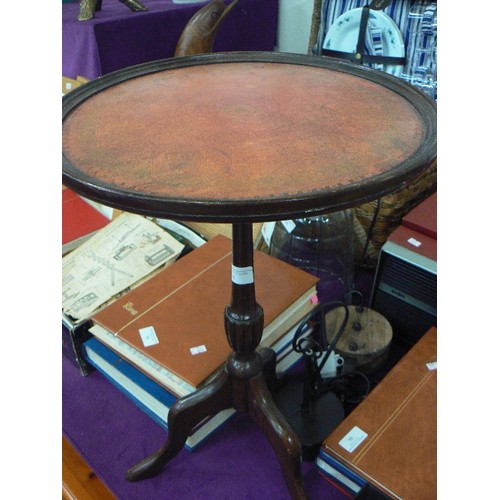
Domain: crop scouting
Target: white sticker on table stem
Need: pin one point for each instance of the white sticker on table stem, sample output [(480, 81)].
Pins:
[(242, 275), (148, 336), (353, 439)]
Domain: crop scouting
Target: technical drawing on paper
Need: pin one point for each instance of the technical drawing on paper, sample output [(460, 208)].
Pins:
[(122, 254)]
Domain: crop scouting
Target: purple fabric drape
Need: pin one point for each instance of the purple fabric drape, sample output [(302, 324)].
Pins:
[(117, 37), (112, 434)]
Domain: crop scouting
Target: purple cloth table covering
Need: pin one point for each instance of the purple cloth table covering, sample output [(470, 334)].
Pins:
[(112, 434), (117, 37)]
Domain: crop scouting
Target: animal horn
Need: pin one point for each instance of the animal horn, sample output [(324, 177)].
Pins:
[(199, 34)]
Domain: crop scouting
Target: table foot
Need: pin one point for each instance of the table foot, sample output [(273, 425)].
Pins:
[(285, 443), (184, 415)]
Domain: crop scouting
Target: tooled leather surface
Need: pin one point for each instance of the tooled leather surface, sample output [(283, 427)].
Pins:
[(271, 130)]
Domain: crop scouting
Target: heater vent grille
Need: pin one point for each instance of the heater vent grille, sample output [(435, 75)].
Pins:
[(406, 295), (409, 279)]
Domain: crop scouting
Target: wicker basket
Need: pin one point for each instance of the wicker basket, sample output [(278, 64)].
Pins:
[(377, 219)]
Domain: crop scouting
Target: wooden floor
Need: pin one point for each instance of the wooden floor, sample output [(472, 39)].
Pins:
[(78, 480)]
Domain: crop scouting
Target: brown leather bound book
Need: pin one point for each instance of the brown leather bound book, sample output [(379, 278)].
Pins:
[(172, 326), (389, 440)]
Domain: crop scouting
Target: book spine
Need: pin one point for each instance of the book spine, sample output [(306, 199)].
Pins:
[(173, 383), (150, 397), (159, 418), (340, 475), (207, 428), (336, 485), (343, 469)]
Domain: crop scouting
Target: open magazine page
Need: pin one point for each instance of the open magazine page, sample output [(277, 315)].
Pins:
[(123, 253)]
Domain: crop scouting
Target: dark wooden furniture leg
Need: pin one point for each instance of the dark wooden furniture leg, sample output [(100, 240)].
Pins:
[(241, 385), (285, 443), (183, 417)]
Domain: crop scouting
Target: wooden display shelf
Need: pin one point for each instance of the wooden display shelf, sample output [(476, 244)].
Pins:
[(79, 482)]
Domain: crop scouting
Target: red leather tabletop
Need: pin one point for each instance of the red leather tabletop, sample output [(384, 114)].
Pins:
[(242, 131)]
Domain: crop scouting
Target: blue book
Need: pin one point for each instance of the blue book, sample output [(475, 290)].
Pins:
[(339, 474), (148, 395), (154, 399)]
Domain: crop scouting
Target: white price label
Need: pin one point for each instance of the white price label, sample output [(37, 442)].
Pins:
[(198, 350), (353, 439), (242, 275), (148, 336), (414, 242)]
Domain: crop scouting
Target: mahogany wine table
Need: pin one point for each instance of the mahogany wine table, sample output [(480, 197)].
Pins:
[(241, 138)]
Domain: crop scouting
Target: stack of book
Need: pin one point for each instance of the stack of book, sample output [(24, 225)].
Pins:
[(154, 399), (164, 339), (117, 258), (388, 442)]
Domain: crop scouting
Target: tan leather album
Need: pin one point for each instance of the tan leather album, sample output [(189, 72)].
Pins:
[(177, 317), (389, 439)]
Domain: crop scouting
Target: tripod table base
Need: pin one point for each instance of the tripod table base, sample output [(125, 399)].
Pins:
[(245, 391)]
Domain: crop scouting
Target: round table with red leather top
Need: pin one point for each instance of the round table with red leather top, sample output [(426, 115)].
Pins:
[(241, 138)]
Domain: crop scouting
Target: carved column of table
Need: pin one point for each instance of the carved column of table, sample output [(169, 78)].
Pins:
[(241, 138)]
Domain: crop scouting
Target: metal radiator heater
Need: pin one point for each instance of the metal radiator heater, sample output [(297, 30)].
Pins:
[(405, 286)]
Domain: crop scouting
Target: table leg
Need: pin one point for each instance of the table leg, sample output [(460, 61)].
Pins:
[(184, 415), (285, 443)]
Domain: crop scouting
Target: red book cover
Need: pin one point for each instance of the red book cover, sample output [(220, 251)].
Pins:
[(423, 218), (79, 220), (414, 241)]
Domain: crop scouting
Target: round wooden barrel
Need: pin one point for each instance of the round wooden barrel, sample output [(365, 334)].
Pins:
[(366, 339)]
